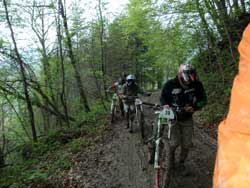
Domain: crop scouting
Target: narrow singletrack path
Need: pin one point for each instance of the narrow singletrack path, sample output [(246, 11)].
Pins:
[(119, 160)]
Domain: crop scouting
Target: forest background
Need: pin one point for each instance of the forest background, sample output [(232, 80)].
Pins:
[(57, 59)]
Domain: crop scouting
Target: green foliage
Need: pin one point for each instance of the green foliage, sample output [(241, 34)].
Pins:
[(94, 117), (79, 144), (36, 177), (52, 153), (62, 162), (22, 175), (40, 148), (150, 40)]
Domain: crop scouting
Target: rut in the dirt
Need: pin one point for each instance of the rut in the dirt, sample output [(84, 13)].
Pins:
[(120, 161)]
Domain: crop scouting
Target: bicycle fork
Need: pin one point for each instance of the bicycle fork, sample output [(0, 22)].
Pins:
[(131, 116), (157, 165), (170, 125), (157, 152), (157, 145)]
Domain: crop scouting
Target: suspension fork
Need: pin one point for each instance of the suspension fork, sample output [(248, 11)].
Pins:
[(112, 105), (157, 144), (138, 108), (157, 152), (170, 125)]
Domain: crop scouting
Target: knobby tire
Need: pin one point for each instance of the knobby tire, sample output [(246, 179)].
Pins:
[(113, 113), (164, 173), (141, 123)]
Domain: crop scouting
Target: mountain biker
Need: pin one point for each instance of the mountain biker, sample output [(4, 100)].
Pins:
[(130, 88), (117, 87), (185, 94)]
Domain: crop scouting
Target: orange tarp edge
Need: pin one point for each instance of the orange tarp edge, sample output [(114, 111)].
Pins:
[(232, 168)]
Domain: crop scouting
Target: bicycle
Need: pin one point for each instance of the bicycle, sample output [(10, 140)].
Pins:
[(162, 169), (115, 105), (135, 111)]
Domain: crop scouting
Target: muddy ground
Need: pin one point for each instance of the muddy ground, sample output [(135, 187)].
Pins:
[(120, 161)]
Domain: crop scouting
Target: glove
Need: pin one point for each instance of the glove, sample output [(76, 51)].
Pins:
[(166, 106), (156, 106), (189, 109)]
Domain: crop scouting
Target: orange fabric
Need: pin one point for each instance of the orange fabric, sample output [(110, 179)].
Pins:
[(232, 168)]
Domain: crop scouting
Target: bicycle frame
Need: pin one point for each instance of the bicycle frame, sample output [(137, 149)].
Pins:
[(114, 106), (135, 106), (165, 117), (115, 101), (138, 108), (134, 109)]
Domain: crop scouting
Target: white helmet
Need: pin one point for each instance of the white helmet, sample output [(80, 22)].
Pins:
[(130, 79)]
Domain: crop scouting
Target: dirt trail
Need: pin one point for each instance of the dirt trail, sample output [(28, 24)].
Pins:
[(120, 161)]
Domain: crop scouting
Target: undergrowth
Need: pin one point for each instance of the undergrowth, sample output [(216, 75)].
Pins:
[(41, 160)]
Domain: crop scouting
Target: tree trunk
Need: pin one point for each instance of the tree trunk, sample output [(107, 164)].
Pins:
[(209, 32), (77, 75), (2, 161), (98, 87), (41, 35), (23, 76), (236, 7), (218, 12), (62, 94), (18, 116), (102, 47), (2, 148), (243, 5)]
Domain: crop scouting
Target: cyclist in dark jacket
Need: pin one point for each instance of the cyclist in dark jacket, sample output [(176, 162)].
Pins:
[(185, 94), (131, 88)]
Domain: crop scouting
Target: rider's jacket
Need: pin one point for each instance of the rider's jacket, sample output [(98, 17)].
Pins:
[(175, 95), (116, 86), (132, 90)]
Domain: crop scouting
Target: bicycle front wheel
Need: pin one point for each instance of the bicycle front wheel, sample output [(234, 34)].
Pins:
[(163, 173), (113, 111), (141, 123)]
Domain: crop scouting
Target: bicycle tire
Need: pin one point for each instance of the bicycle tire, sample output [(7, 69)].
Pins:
[(163, 175), (113, 115), (141, 124), (159, 178), (121, 106), (130, 121)]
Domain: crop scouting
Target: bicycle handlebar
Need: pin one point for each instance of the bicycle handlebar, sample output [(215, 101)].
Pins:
[(130, 97), (159, 107)]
